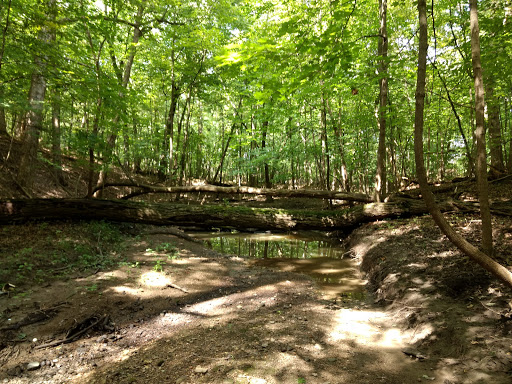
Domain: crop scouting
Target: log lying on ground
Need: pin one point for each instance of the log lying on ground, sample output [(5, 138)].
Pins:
[(218, 216), (310, 193), (460, 186)]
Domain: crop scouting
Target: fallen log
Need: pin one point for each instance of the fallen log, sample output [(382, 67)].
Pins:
[(309, 193), (221, 216)]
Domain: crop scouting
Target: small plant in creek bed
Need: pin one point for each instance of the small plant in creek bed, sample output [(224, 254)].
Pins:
[(159, 266), (169, 249)]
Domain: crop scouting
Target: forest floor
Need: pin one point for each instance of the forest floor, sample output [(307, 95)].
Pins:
[(156, 308), (97, 302)]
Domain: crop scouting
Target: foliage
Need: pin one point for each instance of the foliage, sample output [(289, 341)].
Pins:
[(234, 89), (58, 250)]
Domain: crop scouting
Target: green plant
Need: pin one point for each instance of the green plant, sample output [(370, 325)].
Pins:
[(301, 380), (159, 266), (165, 247), (26, 266), (92, 288)]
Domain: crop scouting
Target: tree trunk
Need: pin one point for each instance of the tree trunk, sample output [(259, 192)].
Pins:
[(509, 127), (481, 258), (34, 116), (167, 156), (495, 144), (481, 159), (268, 184), (215, 216), (3, 123), (226, 147), (137, 33), (186, 138), (56, 137), (137, 159), (380, 178), (285, 193)]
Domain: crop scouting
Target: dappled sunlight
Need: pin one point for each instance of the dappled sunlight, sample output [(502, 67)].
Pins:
[(123, 289), (285, 219), (112, 275), (372, 329), (364, 246), (154, 279)]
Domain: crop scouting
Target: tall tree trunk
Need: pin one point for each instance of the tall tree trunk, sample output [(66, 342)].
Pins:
[(34, 116), (325, 146), (3, 122), (380, 178), (137, 159), (481, 258), (253, 177), (226, 147), (137, 33), (481, 159), (167, 156), (93, 140), (495, 144), (509, 127), (268, 184), (56, 137), (186, 138)]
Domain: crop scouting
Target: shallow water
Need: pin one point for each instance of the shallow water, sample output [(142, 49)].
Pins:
[(323, 259)]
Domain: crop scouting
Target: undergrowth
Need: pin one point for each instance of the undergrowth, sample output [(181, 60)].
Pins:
[(37, 252)]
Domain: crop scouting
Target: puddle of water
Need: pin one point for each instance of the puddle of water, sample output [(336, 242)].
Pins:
[(321, 259)]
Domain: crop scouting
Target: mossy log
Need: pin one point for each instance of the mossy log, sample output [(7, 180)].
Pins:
[(216, 216)]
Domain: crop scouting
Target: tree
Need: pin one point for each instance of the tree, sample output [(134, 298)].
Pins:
[(36, 97), (481, 157), (380, 178), (471, 251)]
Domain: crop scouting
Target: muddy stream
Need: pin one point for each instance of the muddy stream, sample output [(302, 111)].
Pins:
[(324, 259)]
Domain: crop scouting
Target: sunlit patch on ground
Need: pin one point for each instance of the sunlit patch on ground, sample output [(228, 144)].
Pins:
[(154, 279)]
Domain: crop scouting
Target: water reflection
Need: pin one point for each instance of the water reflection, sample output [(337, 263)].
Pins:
[(265, 245), (322, 259)]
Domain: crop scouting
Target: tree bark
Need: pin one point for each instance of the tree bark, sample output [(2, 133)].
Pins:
[(167, 157), (137, 34), (474, 253), (380, 178), (34, 116), (3, 122), (481, 159), (309, 193), (268, 184), (495, 144), (204, 216), (226, 147), (56, 137)]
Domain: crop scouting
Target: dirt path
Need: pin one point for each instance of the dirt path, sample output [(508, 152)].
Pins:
[(195, 316)]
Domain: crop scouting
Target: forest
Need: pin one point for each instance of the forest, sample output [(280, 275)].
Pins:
[(294, 94), (250, 116)]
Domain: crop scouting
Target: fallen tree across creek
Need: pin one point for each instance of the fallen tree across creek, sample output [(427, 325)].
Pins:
[(309, 193), (221, 216)]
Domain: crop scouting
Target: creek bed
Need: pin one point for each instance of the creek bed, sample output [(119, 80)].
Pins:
[(324, 259)]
